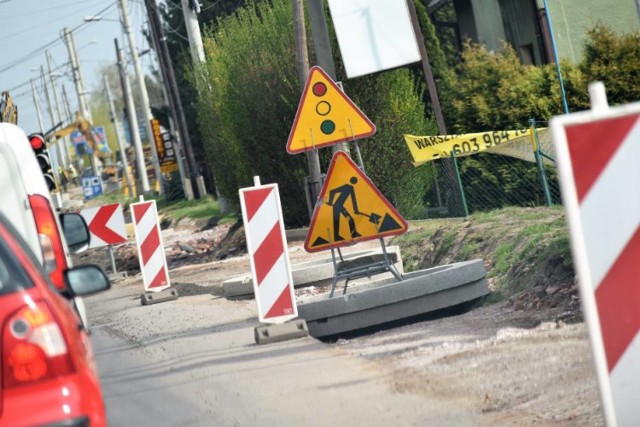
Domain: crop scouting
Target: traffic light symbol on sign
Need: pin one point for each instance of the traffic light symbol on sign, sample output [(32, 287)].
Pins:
[(42, 156), (326, 116)]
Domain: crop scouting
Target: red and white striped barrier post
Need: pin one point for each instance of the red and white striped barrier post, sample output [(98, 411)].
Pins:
[(269, 258), (107, 228), (153, 263), (598, 153)]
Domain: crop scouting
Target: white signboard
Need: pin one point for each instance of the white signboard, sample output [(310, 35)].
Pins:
[(373, 35)]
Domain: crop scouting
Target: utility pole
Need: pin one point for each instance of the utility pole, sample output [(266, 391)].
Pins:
[(37, 104), (302, 60), (190, 10), (54, 168), (82, 102), (67, 108), (174, 94), (322, 46), (116, 125), (77, 75), (142, 87), (173, 124), (62, 143), (193, 29), (133, 121), (426, 68)]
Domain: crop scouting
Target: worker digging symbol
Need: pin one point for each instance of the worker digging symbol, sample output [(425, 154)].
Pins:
[(350, 209), (337, 200)]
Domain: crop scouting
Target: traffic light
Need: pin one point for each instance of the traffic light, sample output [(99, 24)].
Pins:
[(42, 155)]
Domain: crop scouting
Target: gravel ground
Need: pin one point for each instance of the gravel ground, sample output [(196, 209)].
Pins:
[(512, 367)]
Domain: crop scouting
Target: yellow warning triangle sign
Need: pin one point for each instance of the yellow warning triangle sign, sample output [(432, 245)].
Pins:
[(350, 209), (326, 116)]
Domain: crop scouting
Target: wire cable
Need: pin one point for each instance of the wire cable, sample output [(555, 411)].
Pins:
[(50, 44)]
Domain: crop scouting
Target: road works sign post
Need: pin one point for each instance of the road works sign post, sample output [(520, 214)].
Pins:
[(153, 263), (267, 247), (598, 153), (350, 209), (326, 116), (270, 266), (106, 226)]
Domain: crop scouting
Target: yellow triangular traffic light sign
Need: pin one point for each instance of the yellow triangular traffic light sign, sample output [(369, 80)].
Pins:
[(326, 116), (350, 209)]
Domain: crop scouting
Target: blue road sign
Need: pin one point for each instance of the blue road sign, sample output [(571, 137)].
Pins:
[(91, 187)]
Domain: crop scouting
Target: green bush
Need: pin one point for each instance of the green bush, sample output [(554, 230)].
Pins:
[(249, 93), (392, 101), (248, 102), (494, 91), (613, 59)]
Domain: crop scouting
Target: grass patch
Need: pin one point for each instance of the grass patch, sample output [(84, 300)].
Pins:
[(468, 251), (535, 229), (559, 246), (502, 256), (108, 199), (197, 208), (414, 237), (445, 244)]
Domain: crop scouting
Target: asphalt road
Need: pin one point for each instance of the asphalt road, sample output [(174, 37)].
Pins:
[(193, 362)]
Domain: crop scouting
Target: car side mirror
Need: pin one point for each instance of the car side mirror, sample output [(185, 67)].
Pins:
[(86, 280), (76, 232)]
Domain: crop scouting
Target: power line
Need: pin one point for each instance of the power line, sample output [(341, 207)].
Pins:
[(49, 21), (18, 86), (50, 44)]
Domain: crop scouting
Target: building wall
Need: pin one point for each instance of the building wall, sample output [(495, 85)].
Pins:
[(465, 19), (523, 30), (572, 18), (490, 22)]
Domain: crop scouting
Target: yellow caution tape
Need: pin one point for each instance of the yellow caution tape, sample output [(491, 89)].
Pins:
[(427, 148)]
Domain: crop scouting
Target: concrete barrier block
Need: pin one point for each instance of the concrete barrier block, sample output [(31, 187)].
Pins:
[(168, 294), (119, 275), (293, 329)]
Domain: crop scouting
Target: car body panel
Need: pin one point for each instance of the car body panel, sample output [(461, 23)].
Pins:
[(14, 198), (19, 167), (65, 397)]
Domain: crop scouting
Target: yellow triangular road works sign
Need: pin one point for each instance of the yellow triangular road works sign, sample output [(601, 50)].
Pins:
[(350, 209), (326, 116)]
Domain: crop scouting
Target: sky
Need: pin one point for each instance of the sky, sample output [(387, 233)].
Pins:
[(29, 27)]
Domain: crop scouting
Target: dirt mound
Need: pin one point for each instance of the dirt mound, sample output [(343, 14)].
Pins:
[(525, 250)]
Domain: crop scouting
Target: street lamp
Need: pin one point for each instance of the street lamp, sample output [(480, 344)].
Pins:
[(97, 18)]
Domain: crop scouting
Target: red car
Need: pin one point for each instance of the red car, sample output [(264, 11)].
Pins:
[(48, 373)]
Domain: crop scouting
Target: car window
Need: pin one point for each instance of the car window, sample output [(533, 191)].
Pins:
[(13, 277)]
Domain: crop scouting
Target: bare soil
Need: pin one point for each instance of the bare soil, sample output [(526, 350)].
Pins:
[(519, 357)]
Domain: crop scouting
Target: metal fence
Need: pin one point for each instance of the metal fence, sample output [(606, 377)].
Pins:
[(488, 181)]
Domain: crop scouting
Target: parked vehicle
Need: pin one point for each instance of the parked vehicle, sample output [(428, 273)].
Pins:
[(26, 202), (48, 371)]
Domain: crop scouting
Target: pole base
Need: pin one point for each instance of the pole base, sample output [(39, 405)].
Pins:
[(267, 334), (157, 297), (117, 276)]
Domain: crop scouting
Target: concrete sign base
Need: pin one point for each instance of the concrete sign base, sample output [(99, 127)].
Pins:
[(168, 294), (266, 334), (387, 300)]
